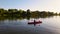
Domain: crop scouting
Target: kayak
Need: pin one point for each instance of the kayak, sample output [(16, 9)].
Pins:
[(36, 22)]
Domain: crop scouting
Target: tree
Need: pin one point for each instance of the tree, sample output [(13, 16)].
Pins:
[(12, 10), (28, 12), (1, 10)]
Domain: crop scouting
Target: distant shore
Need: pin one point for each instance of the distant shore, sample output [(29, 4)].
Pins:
[(15, 13)]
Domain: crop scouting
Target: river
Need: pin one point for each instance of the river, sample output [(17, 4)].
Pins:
[(49, 25)]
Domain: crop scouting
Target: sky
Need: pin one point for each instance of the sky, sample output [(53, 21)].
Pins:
[(41, 5)]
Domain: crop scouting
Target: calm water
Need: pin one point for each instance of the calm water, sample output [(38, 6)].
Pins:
[(50, 25)]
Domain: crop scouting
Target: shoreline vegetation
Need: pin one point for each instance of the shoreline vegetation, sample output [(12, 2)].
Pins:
[(21, 14)]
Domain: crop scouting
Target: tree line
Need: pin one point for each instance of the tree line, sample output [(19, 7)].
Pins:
[(27, 13)]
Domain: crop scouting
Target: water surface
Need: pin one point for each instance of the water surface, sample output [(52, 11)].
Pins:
[(50, 25)]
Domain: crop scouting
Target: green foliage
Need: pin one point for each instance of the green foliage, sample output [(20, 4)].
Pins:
[(25, 14)]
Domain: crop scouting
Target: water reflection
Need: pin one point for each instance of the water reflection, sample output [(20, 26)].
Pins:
[(21, 25), (21, 18)]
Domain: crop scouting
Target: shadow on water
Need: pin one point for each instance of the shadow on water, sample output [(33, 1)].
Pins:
[(21, 25)]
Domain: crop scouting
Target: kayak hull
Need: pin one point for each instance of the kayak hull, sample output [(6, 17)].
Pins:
[(34, 22)]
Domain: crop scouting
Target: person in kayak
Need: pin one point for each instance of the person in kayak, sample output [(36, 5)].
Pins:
[(34, 21)]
